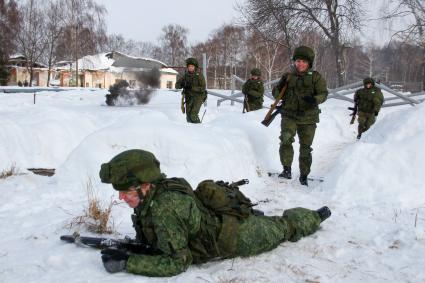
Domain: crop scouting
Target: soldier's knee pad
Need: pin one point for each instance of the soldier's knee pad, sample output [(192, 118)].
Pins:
[(286, 138), (305, 149)]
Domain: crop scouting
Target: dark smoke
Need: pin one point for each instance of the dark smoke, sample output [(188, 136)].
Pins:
[(147, 82)]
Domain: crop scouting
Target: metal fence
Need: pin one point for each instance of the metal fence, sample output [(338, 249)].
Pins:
[(341, 93)]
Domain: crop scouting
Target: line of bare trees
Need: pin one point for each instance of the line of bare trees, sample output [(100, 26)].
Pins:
[(268, 30), (50, 31)]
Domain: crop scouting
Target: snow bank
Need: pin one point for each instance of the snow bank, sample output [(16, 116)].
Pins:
[(374, 187), (388, 161)]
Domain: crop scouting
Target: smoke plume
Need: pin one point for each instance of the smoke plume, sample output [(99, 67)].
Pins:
[(121, 95)]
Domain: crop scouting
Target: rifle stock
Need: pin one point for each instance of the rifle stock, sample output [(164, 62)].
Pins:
[(268, 119)]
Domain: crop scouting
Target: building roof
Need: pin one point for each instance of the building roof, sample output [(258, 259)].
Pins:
[(115, 62), (21, 60)]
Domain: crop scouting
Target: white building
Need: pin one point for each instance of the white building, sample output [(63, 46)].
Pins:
[(105, 69)]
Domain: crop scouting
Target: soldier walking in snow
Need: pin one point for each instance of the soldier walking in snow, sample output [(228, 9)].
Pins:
[(367, 102), (305, 90), (253, 89), (194, 90), (180, 226)]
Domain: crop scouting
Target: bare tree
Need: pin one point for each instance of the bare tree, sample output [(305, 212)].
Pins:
[(55, 26), (31, 36), (275, 20), (415, 30), (130, 47), (265, 52), (85, 30), (173, 43), (9, 25), (334, 18)]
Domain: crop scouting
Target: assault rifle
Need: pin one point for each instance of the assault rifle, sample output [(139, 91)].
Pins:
[(245, 104), (101, 243), (240, 183), (276, 106), (183, 104), (353, 114)]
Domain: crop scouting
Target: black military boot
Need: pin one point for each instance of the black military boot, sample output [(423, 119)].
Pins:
[(359, 136), (324, 213), (286, 173), (303, 180)]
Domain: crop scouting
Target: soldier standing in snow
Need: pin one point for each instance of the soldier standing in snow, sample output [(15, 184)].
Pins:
[(368, 101), (253, 89), (306, 89), (169, 216), (194, 90)]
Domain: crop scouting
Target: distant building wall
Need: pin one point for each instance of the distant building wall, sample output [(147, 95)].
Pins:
[(104, 79), (21, 74)]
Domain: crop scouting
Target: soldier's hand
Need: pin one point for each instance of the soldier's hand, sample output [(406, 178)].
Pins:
[(114, 260), (376, 113), (310, 99)]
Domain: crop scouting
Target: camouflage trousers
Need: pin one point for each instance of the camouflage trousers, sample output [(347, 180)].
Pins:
[(193, 105), (254, 105), (290, 127), (259, 234), (366, 120)]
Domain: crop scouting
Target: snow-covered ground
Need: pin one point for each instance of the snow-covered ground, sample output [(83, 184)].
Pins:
[(374, 187)]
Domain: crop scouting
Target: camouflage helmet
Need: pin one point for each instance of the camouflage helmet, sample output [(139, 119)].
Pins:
[(192, 61), (256, 72), (130, 168), (305, 53), (368, 81)]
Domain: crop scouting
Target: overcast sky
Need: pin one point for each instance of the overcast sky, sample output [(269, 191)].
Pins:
[(143, 19)]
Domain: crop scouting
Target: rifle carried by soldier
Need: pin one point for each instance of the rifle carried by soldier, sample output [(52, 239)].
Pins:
[(127, 243), (183, 105), (276, 106), (353, 114), (245, 104)]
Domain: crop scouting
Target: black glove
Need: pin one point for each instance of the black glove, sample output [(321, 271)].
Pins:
[(376, 113), (114, 260), (310, 99)]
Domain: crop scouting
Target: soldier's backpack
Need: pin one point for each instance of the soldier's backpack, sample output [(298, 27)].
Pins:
[(224, 199)]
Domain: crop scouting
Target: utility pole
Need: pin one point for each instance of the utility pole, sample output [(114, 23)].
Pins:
[(76, 54)]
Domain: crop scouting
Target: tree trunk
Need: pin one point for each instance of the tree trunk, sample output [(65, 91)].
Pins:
[(31, 75), (423, 68), (338, 61)]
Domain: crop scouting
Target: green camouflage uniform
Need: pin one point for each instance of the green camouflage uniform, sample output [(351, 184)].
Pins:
[(183, 231), (254, 92), (195, 95), (298, 116), (369, 102)]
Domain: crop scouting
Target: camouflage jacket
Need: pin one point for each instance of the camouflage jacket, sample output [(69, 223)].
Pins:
[(171, 220), (196, 80), (369, 100), (182, 231), (310, 83), (254, 91)]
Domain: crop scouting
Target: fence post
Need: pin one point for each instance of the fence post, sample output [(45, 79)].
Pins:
[(233, 86), (34, 96), (204, 66)]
